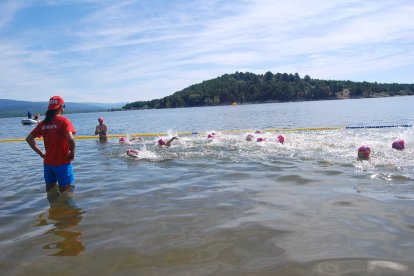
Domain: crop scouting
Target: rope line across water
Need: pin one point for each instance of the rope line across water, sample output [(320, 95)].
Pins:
[(356, 127), (82, 137)]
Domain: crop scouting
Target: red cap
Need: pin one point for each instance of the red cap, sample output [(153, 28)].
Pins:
[(100, 119), (398, 144), (364, 152), (55, 102)]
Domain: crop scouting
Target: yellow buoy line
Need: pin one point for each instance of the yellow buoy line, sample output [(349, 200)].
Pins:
[(82, 137)]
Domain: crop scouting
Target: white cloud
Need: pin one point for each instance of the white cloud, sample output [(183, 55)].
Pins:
[(138, 50), (8, 10)]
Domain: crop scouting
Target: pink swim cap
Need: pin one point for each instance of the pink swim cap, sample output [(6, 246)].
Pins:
[(122, 139), (281, 139), (161, 142), (211, 135), (258, 132), (100, 119), (260, 139), (364, 152), (398, 144)]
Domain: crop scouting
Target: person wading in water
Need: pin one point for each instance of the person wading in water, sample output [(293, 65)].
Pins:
[(57, 132)]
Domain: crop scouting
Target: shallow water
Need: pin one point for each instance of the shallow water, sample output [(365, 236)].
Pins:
[(219, 207)]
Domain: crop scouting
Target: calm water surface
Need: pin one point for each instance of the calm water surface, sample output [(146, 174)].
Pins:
[(221, 207)]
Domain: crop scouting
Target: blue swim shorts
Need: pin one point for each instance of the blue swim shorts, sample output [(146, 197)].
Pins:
[(63, 174)]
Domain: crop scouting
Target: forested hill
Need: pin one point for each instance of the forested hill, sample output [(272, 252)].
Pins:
[(281, 87)]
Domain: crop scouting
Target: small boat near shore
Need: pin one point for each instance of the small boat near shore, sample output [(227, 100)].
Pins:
[(27, 121)]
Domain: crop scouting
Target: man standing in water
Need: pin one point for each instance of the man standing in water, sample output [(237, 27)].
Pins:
[(101, 129), (57, 132)]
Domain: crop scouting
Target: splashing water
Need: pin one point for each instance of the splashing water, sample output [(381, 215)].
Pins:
[(337, 147)]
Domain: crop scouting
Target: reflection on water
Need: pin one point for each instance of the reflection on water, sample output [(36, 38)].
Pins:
[(221, 207), (64, 215)]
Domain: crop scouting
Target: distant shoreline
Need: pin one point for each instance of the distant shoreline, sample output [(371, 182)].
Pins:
[(15, 108), (380, 95), (344, 96)]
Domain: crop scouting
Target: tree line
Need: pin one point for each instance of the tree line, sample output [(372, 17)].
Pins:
[(280, 87)]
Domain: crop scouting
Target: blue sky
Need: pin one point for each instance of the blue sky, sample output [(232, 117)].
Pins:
[(125, 51)]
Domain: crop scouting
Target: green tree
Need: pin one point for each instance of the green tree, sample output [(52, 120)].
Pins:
[(249, 87)]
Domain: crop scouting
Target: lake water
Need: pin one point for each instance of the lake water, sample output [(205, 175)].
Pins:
[(219, 207)]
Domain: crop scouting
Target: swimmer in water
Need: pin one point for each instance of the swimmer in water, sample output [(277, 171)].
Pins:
[(101, 130), (123, 140), (137, 139), (133, 153), (281, 139), (398, 144), (249, 137), (163, 142), (211, 135), (260, 139), (364, 152)]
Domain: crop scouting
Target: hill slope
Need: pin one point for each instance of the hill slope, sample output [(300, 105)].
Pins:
[(252, 88)]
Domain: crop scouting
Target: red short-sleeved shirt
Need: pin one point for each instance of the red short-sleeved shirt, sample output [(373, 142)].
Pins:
[(54, 136)]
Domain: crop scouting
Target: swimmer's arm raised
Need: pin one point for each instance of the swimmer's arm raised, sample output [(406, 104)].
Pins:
[(169, 141)]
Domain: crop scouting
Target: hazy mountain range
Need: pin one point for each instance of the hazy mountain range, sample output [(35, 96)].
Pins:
[(13, 108)]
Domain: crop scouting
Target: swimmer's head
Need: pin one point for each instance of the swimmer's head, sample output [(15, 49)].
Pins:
[(260, 139), (249, 137), (100, 119), (161, 142), (132, 152), (281, 139), (258, 132), (211, 136), (122, 140), (398, 144), (364, 152)]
